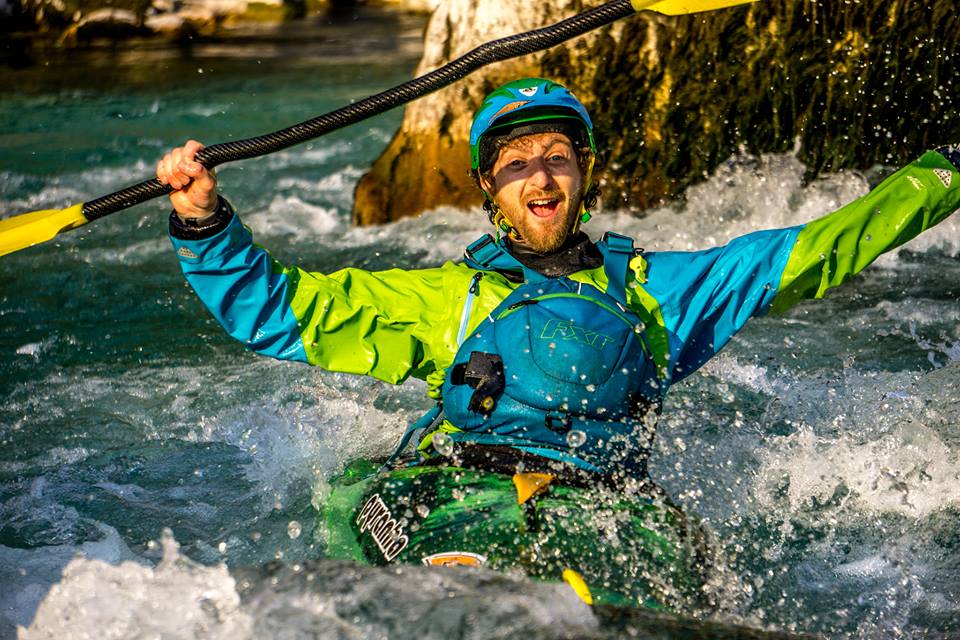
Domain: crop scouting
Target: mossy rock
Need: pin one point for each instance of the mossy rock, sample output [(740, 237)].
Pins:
[(844, 85)]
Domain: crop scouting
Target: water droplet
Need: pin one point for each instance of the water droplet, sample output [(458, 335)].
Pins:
[(423, 510), (591, 388), (222, 547), (443, 444), (576, 438), (294, 529)]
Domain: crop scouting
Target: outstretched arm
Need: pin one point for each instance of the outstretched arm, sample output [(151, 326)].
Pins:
[(705, 297), (353, 321), (830, 250)]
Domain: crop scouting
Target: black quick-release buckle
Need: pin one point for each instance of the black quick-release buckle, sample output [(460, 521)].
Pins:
[(484, 373), (558, 421)]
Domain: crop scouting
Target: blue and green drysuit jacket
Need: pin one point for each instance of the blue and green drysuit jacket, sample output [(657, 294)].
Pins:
[(399, 323)]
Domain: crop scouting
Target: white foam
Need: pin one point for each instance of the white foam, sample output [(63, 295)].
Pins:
[(310, 155), (295, 442), (873, 566), (176, 599), (26, 574), (909, 471), (30, 349), (293, 216)]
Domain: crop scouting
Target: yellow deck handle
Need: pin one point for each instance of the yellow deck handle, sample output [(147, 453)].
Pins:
[(578, 584)]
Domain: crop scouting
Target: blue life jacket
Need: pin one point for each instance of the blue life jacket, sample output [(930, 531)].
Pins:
[(559, 368)]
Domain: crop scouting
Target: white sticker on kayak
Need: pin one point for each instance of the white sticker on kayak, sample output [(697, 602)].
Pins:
[(529, 91), (945, 176), (383, 527), (453, 558)]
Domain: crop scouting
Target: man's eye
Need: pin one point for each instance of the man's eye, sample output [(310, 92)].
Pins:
[(558, 157), (516, 164)]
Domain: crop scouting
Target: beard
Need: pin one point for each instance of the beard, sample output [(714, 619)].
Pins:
[(545, 238)]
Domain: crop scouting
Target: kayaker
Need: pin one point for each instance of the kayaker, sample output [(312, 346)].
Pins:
[(549, 354)]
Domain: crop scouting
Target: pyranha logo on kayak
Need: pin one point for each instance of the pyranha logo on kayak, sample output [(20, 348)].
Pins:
[(383, 527), (569, 331)]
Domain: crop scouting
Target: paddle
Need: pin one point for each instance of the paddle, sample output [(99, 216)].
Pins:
[(28, 229)]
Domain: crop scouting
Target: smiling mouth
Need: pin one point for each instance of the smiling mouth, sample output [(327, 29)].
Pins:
[(544, 207)]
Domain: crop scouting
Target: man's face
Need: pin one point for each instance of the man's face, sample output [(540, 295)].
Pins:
[(537, 183)]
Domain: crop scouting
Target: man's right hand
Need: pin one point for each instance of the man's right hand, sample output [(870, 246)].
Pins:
[(195, 188)]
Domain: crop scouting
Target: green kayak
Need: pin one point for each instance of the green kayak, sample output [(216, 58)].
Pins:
[(622, 543)]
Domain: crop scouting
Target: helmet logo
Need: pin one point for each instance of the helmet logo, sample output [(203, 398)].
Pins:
[(507, 108), (528, 91)]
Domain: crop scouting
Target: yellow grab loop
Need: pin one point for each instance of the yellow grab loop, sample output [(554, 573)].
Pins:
[(28, 229), (683, 7), (578, 584), (530, 484)]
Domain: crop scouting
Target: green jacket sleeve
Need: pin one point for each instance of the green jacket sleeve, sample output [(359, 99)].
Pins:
[(829, 250), (387, 324)]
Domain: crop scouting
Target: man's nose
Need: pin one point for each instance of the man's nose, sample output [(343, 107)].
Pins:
[(541, 175)]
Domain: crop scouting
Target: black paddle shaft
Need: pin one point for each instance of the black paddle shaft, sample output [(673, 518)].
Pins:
[(495, 51)]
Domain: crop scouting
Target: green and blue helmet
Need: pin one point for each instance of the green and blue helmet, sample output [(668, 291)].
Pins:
[(526, 101), (523, 107)]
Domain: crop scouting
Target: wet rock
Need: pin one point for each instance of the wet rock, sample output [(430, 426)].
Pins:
[(166, 24), (845, 85), (427, 162), (78, 21), (112, 24), (413, 6)]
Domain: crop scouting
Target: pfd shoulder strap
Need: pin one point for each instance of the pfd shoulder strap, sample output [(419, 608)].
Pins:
[(617, 253), (486, 254)]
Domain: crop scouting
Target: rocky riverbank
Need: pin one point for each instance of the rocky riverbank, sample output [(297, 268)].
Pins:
[(844, 85), (70, 23)]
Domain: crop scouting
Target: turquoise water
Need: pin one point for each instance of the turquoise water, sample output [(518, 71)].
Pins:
[(821, 447)]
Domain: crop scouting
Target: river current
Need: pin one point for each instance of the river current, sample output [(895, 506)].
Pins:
[(157, 480)]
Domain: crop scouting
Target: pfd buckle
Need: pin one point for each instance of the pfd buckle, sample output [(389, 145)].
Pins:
[(558, 421), (484, 373)]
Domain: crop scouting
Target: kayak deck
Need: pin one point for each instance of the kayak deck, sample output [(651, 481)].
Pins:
[(630, 547)]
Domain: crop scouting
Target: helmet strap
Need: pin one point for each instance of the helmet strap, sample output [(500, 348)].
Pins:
[(502, 223), (584, 215)]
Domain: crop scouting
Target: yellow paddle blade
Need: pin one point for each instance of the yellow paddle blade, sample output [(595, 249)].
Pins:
[(682, 7), (28, 229)]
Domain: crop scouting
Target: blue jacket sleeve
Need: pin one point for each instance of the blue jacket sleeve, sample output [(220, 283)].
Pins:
[(707, 296), (238, 283)]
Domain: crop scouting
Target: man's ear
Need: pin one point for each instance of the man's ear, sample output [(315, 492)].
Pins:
[(486, 185)]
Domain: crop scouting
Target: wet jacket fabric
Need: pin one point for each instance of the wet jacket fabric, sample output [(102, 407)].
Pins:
[(399, 323)]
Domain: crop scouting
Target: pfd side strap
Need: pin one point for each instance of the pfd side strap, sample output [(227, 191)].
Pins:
[(617, 252), (486, 254)]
